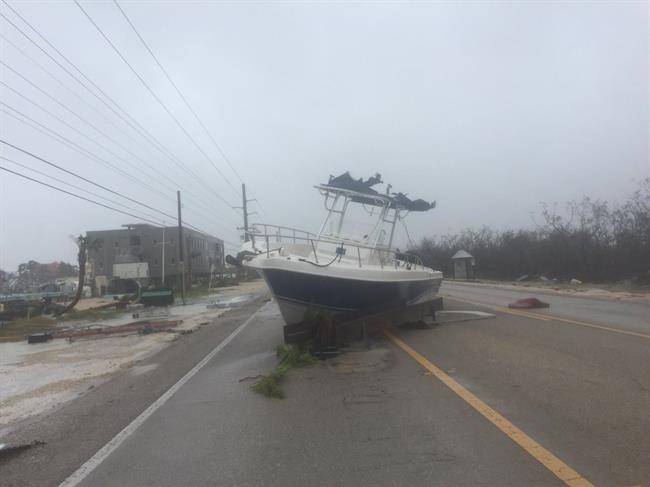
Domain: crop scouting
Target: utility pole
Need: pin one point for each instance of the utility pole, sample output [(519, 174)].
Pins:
[(244, 209), (181, 253)]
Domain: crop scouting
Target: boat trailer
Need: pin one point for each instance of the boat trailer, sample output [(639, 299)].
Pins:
[(331, 333)]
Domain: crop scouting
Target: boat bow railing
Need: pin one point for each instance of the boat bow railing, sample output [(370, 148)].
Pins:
[(276, 234)]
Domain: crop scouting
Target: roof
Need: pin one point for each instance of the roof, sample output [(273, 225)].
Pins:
[(462, 254)]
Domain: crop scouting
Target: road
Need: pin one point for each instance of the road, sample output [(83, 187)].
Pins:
[(631, 316), (565, 396)]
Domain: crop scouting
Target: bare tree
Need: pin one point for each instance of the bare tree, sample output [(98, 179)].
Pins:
[(84, 244)]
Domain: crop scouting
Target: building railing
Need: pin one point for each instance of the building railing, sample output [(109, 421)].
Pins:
[(272, 234)]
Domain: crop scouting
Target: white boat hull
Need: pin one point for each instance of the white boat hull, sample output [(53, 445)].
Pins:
[(298, 286)]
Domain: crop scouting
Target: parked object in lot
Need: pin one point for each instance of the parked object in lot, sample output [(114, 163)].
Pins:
[(349, 266), (157, 297), (39, 337)]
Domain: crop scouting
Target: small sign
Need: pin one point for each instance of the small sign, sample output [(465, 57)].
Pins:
[(134, 270)]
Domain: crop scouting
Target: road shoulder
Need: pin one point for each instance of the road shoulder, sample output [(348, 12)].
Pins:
[(73, 433)]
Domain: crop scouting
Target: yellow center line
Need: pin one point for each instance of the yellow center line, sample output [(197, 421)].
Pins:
[(550, 318), (538, 452)]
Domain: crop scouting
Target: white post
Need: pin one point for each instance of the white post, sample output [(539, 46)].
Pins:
[(163, 256)]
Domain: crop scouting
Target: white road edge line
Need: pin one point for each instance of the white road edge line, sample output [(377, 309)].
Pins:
[(82, 472)]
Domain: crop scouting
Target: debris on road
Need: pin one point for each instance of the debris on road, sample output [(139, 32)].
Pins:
[(291, 357), (528, 303), (8, 449), (250, 377)]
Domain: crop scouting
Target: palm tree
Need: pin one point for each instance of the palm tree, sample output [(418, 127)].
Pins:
[(84, 244)]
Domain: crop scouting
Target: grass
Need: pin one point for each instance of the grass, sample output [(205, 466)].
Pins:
[(17, 330), (90, 315), (291, 357)]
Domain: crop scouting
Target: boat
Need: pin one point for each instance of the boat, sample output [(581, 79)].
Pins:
[(350, 267)]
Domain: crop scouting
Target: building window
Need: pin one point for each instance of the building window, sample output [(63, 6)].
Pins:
[(134, 240), (101, 266), (155, 241), (117, 244), (155, 261), (173, 260)]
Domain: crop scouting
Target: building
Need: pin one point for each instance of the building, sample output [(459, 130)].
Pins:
[(464, 265), (136, 252)]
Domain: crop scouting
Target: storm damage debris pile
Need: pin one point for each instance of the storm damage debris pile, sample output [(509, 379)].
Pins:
[(137, 327)]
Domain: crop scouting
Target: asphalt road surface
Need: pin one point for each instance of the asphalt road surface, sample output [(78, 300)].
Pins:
[(631, 316), (518, 399)]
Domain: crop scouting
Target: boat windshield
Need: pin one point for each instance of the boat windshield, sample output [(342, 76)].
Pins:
[(357, 222)]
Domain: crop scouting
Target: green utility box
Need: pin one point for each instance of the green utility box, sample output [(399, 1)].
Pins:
[(157, 297)]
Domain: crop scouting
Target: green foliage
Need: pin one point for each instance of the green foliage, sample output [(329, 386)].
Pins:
[(294, 356), (291, 357), (269, 386), (591, 240)]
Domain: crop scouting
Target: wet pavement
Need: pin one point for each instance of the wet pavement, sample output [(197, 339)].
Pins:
[(379, 417)]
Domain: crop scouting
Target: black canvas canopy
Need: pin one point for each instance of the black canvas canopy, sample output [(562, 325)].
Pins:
[(400, 200)]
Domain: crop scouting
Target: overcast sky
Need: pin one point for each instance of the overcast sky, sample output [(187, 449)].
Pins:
[(488, 108)]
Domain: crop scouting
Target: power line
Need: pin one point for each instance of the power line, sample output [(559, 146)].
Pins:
[(156, 97), (70, 144), (68, 89), (60, 120), (72, 173), (94, 127), (58, 102), (134, 124), (78, 196), (54, 178), (76, 95), (35, 125), (171, 81), (76, 147), (180, 94), (60, 138), (91, 182)]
